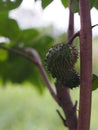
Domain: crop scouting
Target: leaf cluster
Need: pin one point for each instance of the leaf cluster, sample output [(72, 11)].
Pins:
[(75, 4), (6, 5), (12, 67)]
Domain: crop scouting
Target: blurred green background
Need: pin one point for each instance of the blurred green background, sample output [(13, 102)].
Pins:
[(23, 108)]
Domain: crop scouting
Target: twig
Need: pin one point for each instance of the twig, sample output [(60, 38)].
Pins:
[(19, 53), (63, 120), (75, 106), (94, 26), (42, 71), (36, 60), (70, 41), (70, 30)]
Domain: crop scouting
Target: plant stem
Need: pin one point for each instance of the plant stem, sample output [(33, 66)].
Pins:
[(63, 95), (65, 102), (70, 41), (42, 71), (77, 34), (70, 31), (19, 53), (86, 66), (37, 61)]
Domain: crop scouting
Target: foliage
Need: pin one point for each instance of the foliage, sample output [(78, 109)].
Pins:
[(13, 67), (8, 24), (6, 5), (45, 3), (95, 82), (75, 4), (65, 3)]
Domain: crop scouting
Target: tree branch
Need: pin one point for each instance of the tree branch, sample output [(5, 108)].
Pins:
[(70, 31), (66, 104), (36, 60), (70, 41), (63, 95), (42, 71), (19, 53), (63, 120), (77, 34)]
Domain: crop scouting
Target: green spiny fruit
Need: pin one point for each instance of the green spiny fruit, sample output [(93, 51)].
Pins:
[(60, 61), (71, 79)]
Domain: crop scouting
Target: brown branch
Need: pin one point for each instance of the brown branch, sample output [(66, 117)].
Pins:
[(36, 60), (77, 34), (42, 71), (70, 41), (63, 95), (19, 53), (94, 26), (66, 104), (70, 31), (63, 120)]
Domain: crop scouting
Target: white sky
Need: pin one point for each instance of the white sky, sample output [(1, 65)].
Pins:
[(31, 14)]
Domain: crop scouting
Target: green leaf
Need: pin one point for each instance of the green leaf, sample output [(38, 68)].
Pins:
[(3, 55), (18, 70), (9, 26), (75, 6), (33, 38), (94, 82), (45, 3), (27, 36), (92, 3), (6, 5), (65, 3), (95, 4)]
